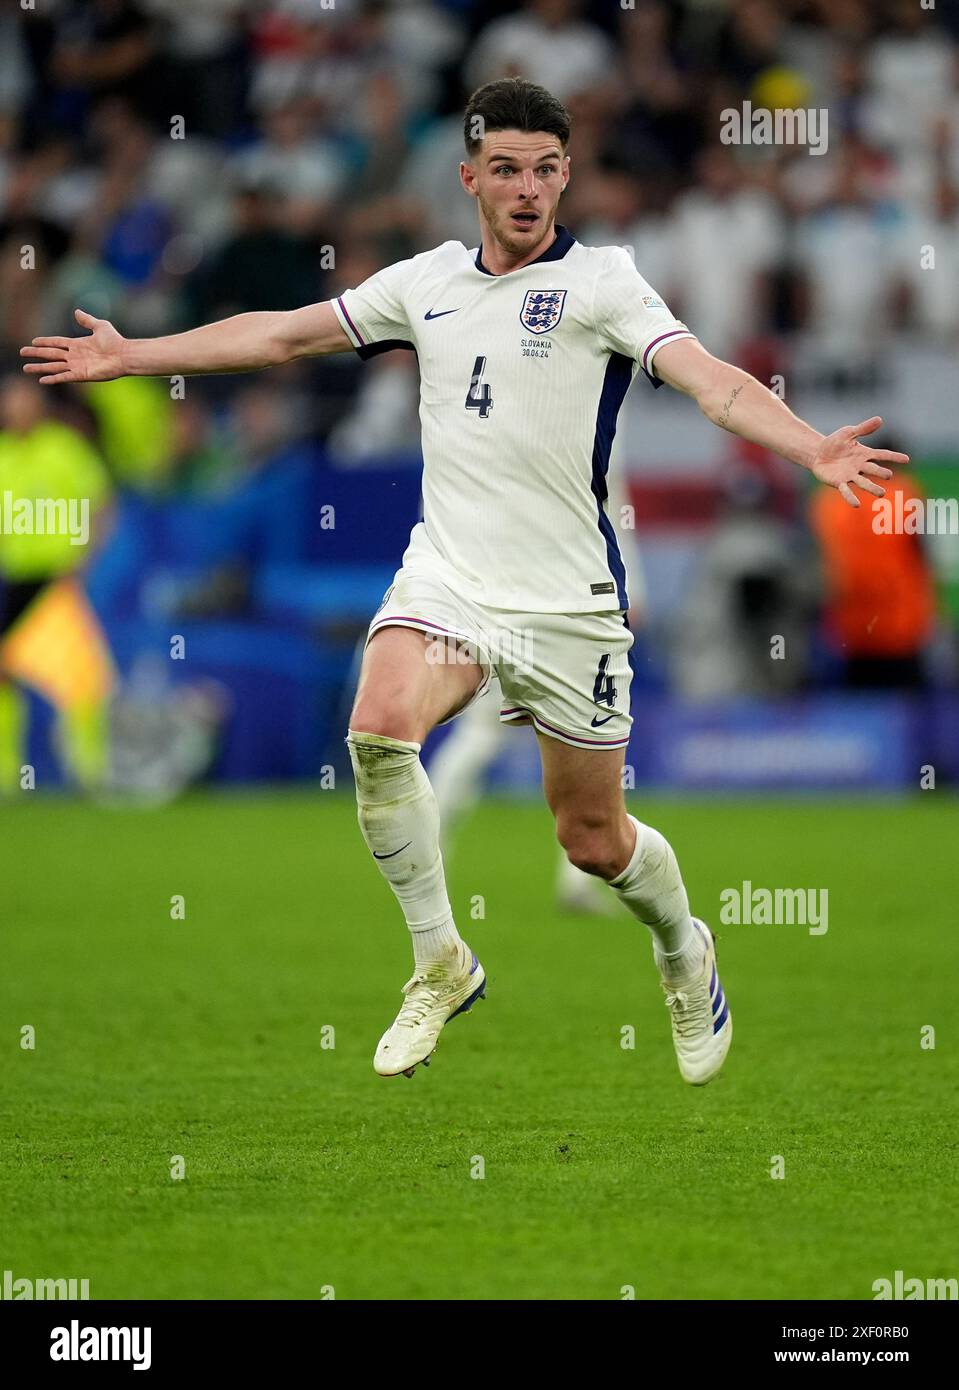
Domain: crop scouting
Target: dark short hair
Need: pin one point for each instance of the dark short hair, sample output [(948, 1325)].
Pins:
[(512, 103)]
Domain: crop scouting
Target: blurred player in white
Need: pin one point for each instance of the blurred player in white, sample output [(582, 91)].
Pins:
[(459, 767), (527, 345)]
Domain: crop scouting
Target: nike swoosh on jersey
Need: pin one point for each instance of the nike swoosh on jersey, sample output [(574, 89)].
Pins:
[(394, 852), (442, 313), (596, 722)]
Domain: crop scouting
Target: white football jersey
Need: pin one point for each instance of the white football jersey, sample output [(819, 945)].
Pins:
[(521, 379)]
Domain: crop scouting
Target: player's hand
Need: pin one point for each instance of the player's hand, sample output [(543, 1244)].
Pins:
[(844, 463), (96, 357)]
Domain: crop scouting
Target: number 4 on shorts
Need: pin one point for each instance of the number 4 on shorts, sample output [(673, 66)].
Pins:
[(604, 691)]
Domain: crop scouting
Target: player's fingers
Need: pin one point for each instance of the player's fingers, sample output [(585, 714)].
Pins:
[(84, 319), (45, 369), (48, 354), (34, 368), (49, 342), (847, 494), (888, 456), (868, 426), (868, 486), (59, 380)]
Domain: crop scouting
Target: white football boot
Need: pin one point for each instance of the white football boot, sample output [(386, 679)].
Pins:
[(702, 1023), (434, 995)]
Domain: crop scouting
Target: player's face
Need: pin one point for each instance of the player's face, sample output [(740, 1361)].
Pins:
[(518, 178)]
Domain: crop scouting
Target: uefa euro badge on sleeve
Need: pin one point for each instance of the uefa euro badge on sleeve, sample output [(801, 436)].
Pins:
[(542, 310)]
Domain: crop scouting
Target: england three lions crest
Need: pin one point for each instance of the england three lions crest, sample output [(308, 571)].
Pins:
[(542, 310)]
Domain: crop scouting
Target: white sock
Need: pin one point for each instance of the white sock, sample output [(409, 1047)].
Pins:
[(400, 822), (442, 943), (682, 964), (651, 886)]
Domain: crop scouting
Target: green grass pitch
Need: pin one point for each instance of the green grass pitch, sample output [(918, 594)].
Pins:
[(304, 1171)]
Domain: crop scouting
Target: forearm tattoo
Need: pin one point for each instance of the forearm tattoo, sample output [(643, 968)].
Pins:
[(724, 413)]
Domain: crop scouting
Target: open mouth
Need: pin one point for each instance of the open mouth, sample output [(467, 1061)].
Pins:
[(524, 220)]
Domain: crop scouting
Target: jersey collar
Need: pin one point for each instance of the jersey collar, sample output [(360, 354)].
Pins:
[(556, 252)]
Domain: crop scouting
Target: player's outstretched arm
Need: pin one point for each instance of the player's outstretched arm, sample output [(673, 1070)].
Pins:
[(737, 402), (243, 343)]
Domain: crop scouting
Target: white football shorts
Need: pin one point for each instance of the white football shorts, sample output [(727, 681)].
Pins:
[(566, 673)]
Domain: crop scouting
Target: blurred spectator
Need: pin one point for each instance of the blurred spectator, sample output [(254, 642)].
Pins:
[(880, 602), (549, 42), (615, 212), (658, 127), (200, 464), (301, 48), (300, 166), (135, 423), (846, 253), (928, 259), (385, 418), (756, 583), (910, 74), (208, 69), (265, 423), (431, 177), (415, 41), (23, 296), (16, 80), (50, 640), (122, 225), (726, 239), (261, 265), (820, 42), (110, 48), (751, 39)]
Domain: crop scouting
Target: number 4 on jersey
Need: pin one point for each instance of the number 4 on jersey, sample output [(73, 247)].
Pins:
[(479, 397)]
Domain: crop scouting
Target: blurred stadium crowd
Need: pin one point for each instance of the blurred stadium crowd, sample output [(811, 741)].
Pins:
[(165, 164)]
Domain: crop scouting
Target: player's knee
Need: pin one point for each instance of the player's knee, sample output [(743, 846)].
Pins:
[(590, 844), (396, 718)]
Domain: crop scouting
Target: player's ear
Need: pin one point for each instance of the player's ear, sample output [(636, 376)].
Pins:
[(468, 178)]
